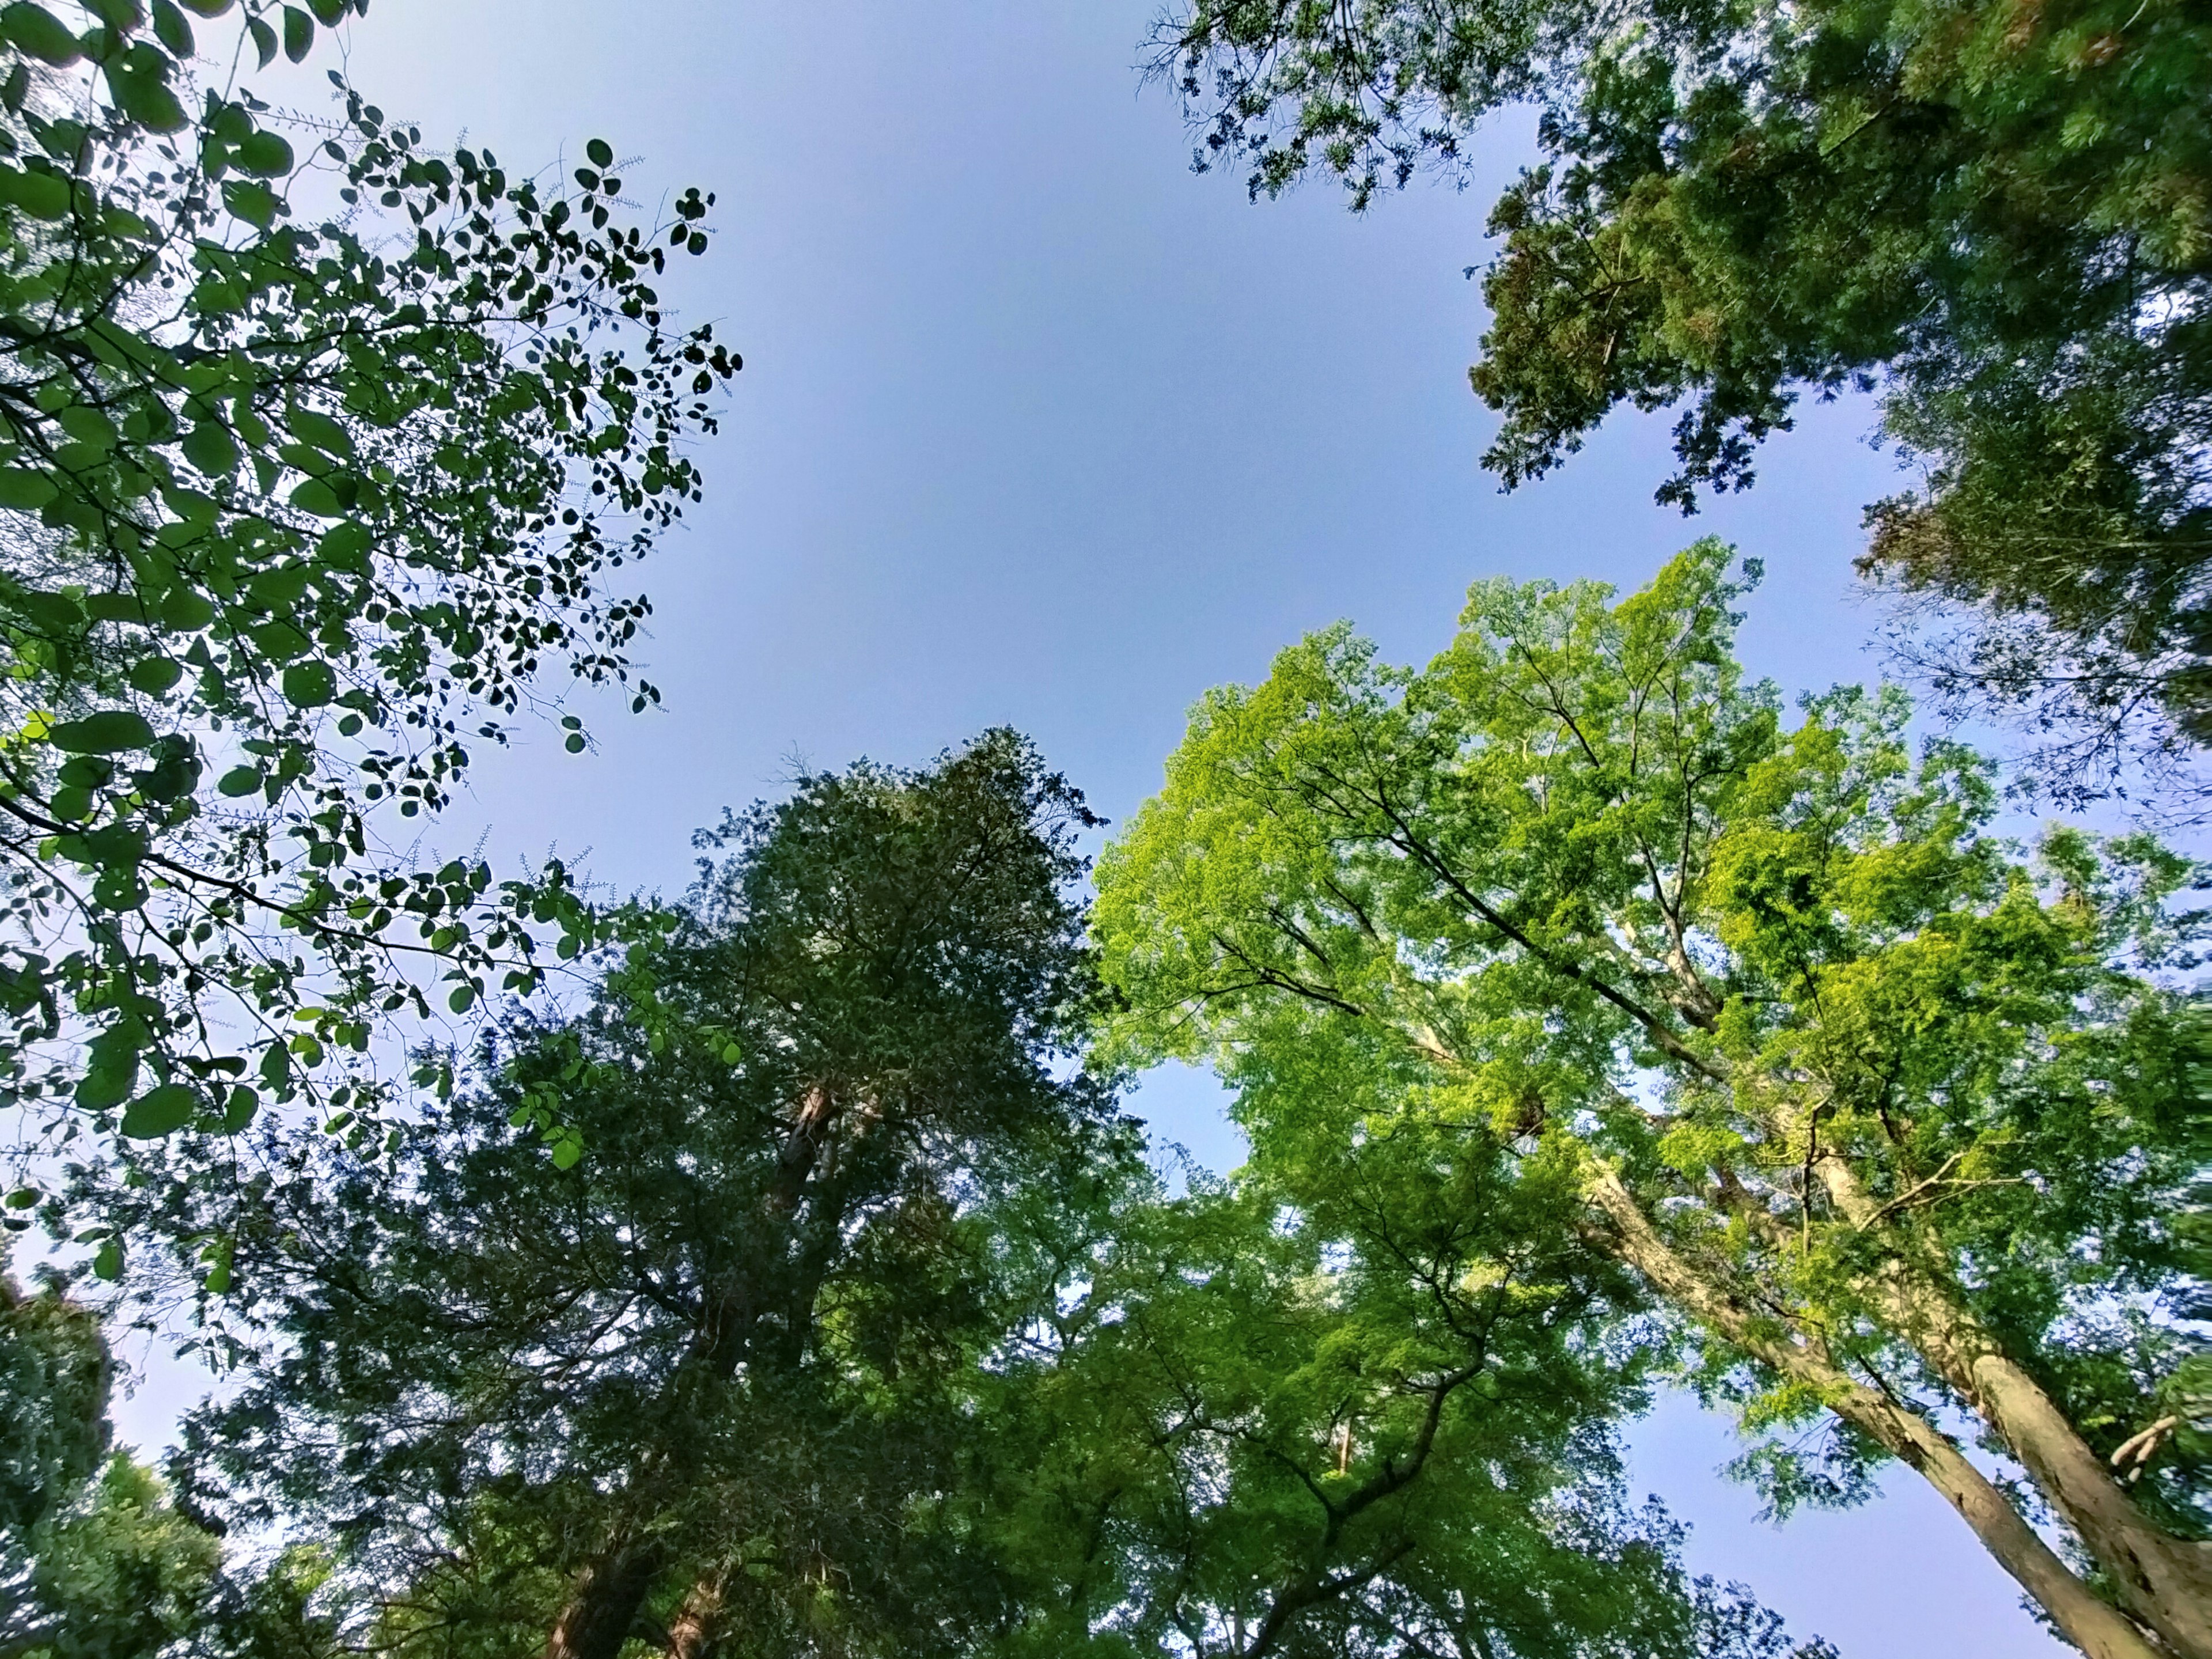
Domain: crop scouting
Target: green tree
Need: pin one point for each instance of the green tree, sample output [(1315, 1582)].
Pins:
[(117, 1573), (708, 1376), (1900, 1123), (54, 1382), (2001, 215), (1355, 1406), (95, 1563), (318, 450)]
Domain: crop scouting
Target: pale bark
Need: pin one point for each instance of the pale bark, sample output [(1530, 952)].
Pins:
[(2163, 1580), (698, 1627), (2093, 1624)]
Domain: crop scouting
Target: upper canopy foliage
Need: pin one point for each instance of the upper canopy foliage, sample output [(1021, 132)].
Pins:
[(1887, 1111), (317, 448), (2000, 214)]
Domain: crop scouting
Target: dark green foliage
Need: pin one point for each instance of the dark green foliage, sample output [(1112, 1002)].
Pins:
[(295, 511), (1354, 1406), (2000, 214), (54, 1380), (726, 1346), (94, 1561)]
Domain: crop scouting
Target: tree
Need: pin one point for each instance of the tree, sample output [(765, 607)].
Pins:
[(1900, 1123), (313, 462), (710, 1371), (1358, 1406), (94, 1561), (1997, 216), (54, 1382)]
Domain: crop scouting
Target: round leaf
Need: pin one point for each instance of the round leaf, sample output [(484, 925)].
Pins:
[(160, 1112), (108, 733), (264, 152), (23, 489), (309, 684), (37, 32), (154, 675)]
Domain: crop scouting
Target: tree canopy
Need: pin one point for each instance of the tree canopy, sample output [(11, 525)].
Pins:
[(1896, 1120), (318, 449), (1999, 215)]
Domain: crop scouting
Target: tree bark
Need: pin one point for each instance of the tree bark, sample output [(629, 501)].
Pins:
[(603, 1609), (2163, 1580), (698, 1627), (2093, 1624)]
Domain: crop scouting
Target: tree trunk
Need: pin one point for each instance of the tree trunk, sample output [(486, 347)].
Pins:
[(2093, 1624), (697, 1626), (2163, 1580), (604, 1607)]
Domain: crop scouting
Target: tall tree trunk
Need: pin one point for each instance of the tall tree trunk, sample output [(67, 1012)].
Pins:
[(2163, 1580), (2093, 1624), (697, 1626), (603, 1609)]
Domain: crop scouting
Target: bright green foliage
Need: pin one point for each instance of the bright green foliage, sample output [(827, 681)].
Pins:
[(1360, 1409), (2002, 214), (315, 453), (1888, 1114), (94, 1562), (54, 1380), (722, 1355), (118, 1573)]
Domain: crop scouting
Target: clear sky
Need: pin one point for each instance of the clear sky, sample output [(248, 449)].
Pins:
[(1038, 427)]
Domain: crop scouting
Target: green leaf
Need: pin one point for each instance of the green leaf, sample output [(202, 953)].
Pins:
[(171, 29), (51, 613), (573, 743), (317, 497), (240, 1109), (37, 32), (345, 546), (567, 1152), (154, 675), (264, 42), (146, 99), (44, 195), (70, 803), (264, 152), (252, 202), (299, 33), (121, 16), (208, 8), (108, 1263), (159, 1112), (186, 611), (602, 153), (329, 13), (463, 1000), (309, 684), (731, 1054), (23, 1198), (23, 489), (209, 446), (239, 780), (110, 731), (311, 426)]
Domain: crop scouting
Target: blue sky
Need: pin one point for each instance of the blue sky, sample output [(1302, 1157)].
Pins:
[(1036, 427)]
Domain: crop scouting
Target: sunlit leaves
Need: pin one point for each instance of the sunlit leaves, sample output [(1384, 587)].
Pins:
[(297, 515)]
